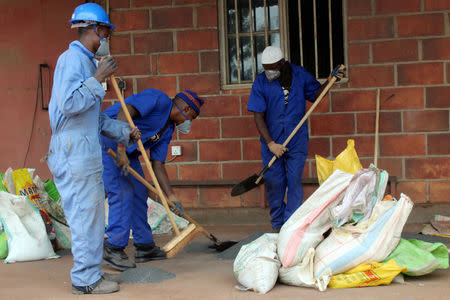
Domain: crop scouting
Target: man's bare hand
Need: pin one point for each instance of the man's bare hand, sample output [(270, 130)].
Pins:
[(135, 134), (122, 159), (277, 149)]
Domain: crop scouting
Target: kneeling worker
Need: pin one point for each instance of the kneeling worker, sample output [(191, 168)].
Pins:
[(156, 115)]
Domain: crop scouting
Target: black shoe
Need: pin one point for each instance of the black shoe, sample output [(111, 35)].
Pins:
[(276, 230), (117, 259), (144, 254)]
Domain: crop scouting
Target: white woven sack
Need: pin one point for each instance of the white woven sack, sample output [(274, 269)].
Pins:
[(305, 228), (256, 265), (371, 240), (25, 230)]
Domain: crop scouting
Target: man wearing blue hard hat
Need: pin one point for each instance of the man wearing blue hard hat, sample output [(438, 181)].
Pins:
[(75, 157), (156, 115)]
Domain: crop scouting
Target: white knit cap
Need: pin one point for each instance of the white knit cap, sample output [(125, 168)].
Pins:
[(271, 55)]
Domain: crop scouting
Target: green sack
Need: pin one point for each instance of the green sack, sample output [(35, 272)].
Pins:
[(3, 245), (51, 190), (419, 257), (2, 186)]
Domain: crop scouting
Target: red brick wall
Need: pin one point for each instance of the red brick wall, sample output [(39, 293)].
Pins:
[(398, 46)]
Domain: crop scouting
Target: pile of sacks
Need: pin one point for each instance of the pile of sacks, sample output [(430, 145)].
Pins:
[(33, 224), (346, 234)]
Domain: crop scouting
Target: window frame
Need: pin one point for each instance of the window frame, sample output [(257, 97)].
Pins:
[(284, 41)]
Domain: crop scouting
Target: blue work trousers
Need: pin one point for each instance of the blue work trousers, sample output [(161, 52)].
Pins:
[(285, 174), (127, 200)]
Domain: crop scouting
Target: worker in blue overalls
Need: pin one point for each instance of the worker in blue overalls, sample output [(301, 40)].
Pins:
[(156, 115), (75, 157), (277, 100)]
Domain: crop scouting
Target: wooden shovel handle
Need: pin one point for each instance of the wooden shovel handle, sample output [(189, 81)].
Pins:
[(145, 156)]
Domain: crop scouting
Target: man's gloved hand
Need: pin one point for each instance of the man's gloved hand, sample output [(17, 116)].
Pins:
[(135, 134), (122, 159), (338, 72), (178, 209), (277, 149), (106, 67)]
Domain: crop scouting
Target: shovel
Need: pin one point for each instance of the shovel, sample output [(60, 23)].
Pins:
[(256, 180)]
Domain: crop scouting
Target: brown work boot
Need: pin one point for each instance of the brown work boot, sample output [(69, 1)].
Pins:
[(100, 287)]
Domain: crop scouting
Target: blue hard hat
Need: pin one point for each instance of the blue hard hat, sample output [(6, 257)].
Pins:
[(91, 12)]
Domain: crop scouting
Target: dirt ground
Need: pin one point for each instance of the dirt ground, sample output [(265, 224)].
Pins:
[(200, 274)]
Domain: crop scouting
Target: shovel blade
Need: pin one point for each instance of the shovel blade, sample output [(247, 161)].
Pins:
[(246, 185)]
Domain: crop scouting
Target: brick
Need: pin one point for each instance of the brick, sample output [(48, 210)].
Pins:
[(416, 190), (187, 196), (438, 97), (239, 127), (240, 171), (358, 54), (371, 76), (402, 98), (133, 65), (153, 42), (106, 104), (388, 122), (439, 144), (308, 170), (189, 40), (218, 197), (181, 2), (119, 4), (437, 5), (199, 172), (203, 129), (207, 16), (205, 84), (209, 61), (394, 51), (427, 168), (447, 67), (220, 150), (251, 149), (353, 100), (172, 171), (111, 93), (402, 145), (125, 20), (241, 91), (423, 73), (420, 25), (430, 120), (167, 84), (364, 145), (323, 106), (154, 64), (392, 165), (398, 6), (376, 28), (176, 63), (436, 49), (439, 191), (359, 7), (120, 44), (319, 146), (308, 190), (150, 3), (254, 198), (331, 124), (188, 150), (220, 106), (244, 103), (178, 17)]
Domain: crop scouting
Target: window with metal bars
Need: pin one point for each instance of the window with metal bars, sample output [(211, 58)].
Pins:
[(311, 33)]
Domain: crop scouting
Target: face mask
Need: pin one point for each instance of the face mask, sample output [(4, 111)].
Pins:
[(184, 127), (272, 74), (103, 50)]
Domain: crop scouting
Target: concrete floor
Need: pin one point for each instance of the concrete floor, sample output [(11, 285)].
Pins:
[(199, 275)]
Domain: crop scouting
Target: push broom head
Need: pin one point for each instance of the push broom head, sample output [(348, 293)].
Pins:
[(181, 240)]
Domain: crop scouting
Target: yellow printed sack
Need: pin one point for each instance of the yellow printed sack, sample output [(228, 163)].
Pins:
[(369, 274), (346, 161)]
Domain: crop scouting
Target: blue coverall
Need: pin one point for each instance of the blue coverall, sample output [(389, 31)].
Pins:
[(127, 197), (286, 172), (75, 157)]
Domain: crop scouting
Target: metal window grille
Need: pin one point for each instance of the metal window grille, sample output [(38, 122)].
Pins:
[(311, 32)]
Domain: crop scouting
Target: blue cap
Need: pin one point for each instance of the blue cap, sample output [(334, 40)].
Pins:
[(91, 12), (192, 99)]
